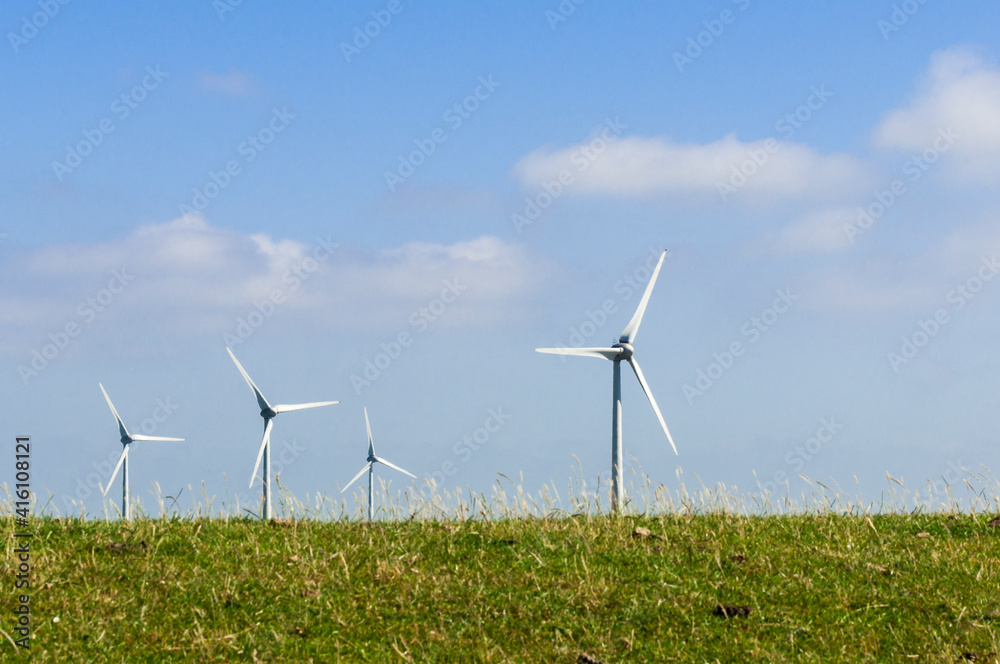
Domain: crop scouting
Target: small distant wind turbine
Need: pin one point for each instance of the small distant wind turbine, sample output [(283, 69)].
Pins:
[(623, 350), (370, 467), (269, 412), (127, 439)]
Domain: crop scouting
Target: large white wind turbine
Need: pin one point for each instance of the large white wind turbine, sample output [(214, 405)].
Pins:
[(370, 467), (127, 439), (269, 412), (623, 350)]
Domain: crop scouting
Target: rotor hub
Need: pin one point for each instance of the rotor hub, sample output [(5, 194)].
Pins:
[(268, 413)]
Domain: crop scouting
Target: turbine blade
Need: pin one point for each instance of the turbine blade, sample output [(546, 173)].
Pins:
[(263, 444), (628, 334), (392, 465), (652, 401), (606, 353), (371, 443), (162, 438), (284, 408), (356, 477), (121, 460), (261, 401), (121, 425)]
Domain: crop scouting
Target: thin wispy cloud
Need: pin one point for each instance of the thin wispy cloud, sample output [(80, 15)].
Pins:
[(233, 83), (908, 284), (819, 231)]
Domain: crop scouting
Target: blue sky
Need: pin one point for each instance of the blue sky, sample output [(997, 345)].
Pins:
[(484, 182)]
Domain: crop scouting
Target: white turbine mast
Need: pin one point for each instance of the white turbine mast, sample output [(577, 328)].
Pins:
[(126, 440), (269, 412), (370, 468), (623, 350)]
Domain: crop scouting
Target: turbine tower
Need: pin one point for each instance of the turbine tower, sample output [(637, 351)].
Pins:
[(269, 412), (623, 350), (370, 467), (127, 439)]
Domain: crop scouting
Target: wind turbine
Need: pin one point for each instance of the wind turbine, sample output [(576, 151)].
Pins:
[(269, 412), (623, 350), (370, 467), (127, 439)]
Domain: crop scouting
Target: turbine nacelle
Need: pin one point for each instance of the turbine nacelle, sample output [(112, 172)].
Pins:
[(268, 413), (627, 351)]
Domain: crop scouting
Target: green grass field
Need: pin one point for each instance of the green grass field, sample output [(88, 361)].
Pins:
[(820, 588)]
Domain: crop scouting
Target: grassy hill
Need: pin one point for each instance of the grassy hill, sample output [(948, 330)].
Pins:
[(818, 588)]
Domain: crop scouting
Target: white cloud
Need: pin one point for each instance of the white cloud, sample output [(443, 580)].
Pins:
[(234, 83), (960, 92), (640, 166), (191, 278)]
